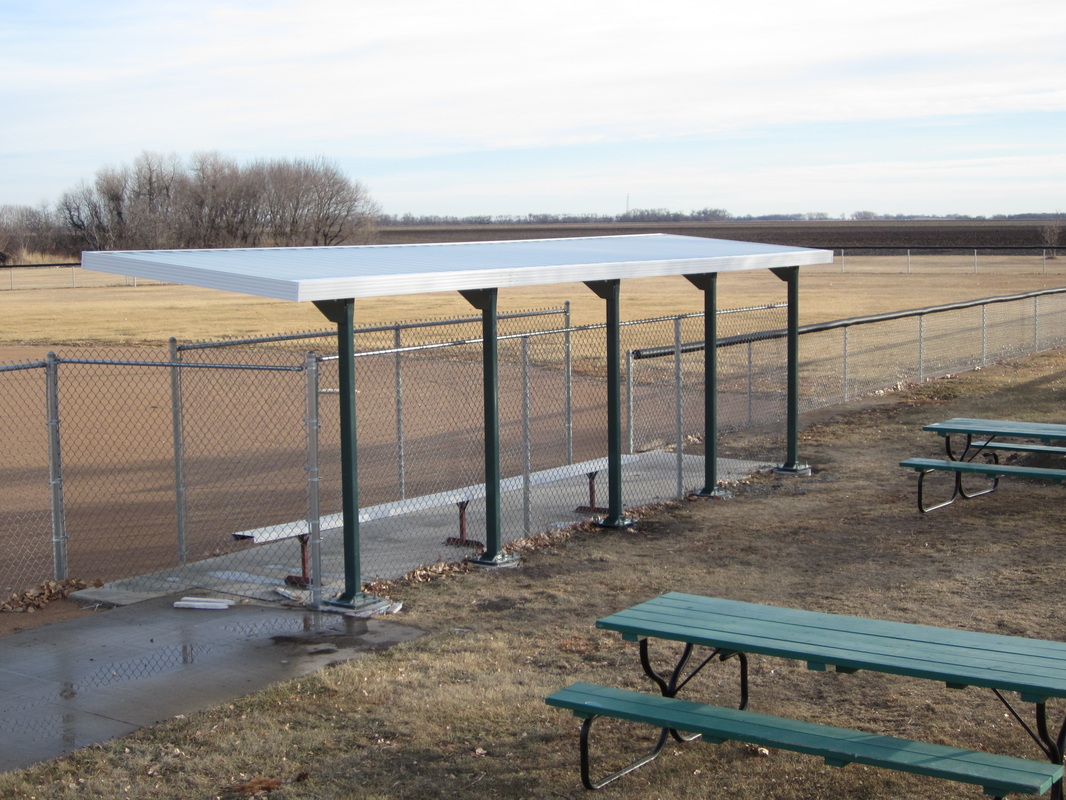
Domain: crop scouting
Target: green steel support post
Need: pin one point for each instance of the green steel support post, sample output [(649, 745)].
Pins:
[(609, 291), (792, 465), (342, 313), (708, 284), (493, 556)]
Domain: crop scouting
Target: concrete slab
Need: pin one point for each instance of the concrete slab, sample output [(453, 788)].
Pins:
[(395, 545), (84, 681)]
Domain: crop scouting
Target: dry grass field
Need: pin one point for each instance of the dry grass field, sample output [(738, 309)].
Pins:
[(460, 713), (151, 313)]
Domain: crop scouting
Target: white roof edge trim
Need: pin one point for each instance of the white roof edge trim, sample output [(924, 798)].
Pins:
[(328, 273), (503, 278), (277, 288)]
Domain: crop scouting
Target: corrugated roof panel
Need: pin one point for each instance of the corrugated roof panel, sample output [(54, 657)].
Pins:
[(328, 273)]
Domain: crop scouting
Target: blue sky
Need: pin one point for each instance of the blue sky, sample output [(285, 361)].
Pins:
[(496, 107)]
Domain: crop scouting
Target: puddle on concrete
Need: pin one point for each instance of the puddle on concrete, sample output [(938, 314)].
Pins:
[(83, 681)]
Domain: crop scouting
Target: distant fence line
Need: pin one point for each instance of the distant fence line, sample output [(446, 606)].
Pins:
[(212, 464)]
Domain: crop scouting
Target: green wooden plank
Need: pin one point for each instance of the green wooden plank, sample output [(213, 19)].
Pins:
[(1015, 663), (786, 624), (864, 653), (1043, 681), (685, 605), (1043, 431), (976, 468), (1001, 774), (1021, 447), (802, 627)]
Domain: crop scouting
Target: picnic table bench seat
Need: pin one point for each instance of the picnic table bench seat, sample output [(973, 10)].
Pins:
[(459, 497), (995, 471), (998, 775), (1021, 447)]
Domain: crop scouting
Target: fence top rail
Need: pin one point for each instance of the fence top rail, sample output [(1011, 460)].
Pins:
[(819, 327), (35, 266), (27, 365), (291, 337), (597, 326), (107, 362), (920, 312)]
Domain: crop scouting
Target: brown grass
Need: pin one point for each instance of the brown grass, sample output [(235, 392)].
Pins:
[(460, 713), (151, 313)]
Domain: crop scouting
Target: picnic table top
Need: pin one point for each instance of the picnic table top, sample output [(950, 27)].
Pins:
[(1035, 668), (1043, 431)]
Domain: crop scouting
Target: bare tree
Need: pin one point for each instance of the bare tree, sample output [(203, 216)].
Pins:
[(84, 213), (1051, 233), (220, 204), (25, 230), (157, 203), (313, 203)]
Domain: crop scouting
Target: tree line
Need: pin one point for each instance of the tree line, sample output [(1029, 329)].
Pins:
[(162, 202)]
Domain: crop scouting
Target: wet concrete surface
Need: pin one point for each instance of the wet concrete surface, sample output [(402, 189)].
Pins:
[(91, 679)]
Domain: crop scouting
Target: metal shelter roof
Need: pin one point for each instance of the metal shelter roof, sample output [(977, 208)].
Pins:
[(332, 273), (333, 277)]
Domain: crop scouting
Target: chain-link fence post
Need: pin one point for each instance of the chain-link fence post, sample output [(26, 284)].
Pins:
[(568, 383), (845, 367), (679, 429), (527, 444), (984, 336), (178, 428), (55, 470), (314, 523), (751, 383), (629, 401), (1036, 324), (921, 349), (401, 480)]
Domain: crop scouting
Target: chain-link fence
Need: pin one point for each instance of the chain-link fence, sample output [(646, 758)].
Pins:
[(217, 465)]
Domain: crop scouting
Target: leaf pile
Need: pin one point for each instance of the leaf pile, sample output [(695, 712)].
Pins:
[(44, 593)]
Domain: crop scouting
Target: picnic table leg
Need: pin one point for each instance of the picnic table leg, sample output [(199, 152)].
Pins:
[(1054, 748), (672, 683), (956, 488), (586, 778), (965, 454)]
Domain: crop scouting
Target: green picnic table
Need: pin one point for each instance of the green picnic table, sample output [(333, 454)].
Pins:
[(720, 629), (984, 438)]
